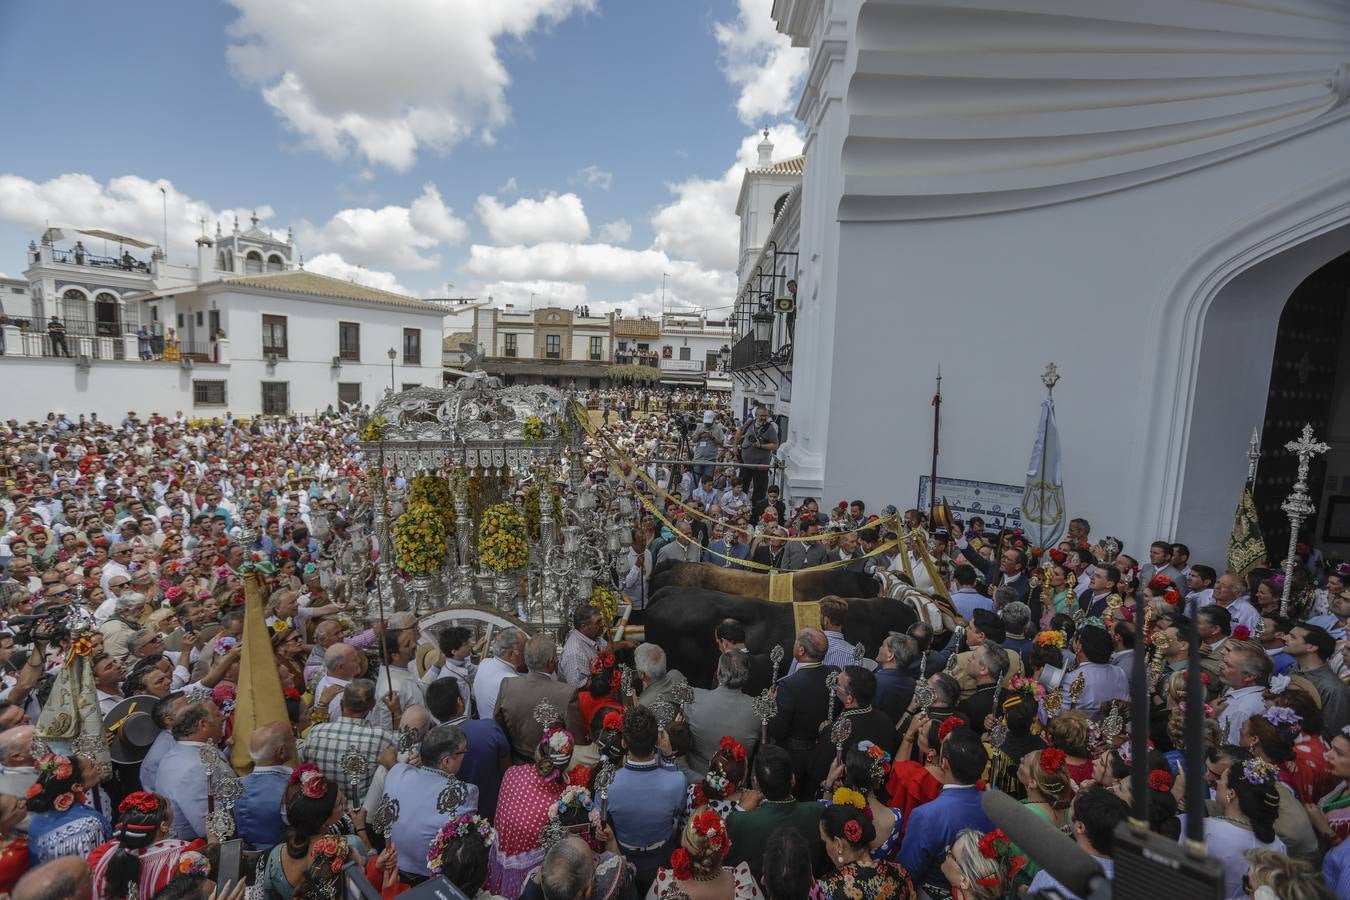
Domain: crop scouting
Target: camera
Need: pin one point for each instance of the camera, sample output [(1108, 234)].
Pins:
[(49, 626)]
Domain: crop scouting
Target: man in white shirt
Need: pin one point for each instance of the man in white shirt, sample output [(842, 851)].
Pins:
[(400, 648), (1228, 594), (1200, 583), (1246, 672), (119, 555), (508, 656), (583, 645), (341, 664)]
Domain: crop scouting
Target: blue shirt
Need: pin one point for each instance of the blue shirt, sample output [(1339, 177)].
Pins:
[(257, 814), (1336, 870), (417, 791), (164, 742), (487, 746), (645, 801), (967, 600), (934, 825)]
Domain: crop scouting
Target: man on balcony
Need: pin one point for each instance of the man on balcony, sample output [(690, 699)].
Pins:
[(57, 332)]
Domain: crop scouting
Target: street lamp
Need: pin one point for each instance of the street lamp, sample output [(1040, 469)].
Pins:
[(724, 357), (763, 325), (393, 354)]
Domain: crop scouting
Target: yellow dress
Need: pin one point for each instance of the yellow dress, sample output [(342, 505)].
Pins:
[(171, 349)]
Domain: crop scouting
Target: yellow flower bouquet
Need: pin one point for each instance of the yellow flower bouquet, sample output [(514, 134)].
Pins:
[(502, 541), (434, 491), (534, 429), (419, 540), (373, 430), (605, 599)]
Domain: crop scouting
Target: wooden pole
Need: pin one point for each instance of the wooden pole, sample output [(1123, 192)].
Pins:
[(937, 424)]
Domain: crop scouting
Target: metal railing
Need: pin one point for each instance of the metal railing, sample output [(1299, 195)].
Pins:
[(82, 258), (100, 340), (748, 352), (643, 358)]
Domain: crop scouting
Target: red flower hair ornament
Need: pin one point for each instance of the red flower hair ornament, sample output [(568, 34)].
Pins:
[(141, 801), (1172, 596), (1052, 760), (949, 724), (312, 782), (1159, 583), (681, 864), (613, 721), (1160, 780), (853, 831), (1242, 633), (734, 748)]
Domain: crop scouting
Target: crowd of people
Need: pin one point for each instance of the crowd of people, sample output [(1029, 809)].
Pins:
[(571, 766)]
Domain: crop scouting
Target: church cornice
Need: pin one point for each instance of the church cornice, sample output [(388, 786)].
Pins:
[(959, 109)]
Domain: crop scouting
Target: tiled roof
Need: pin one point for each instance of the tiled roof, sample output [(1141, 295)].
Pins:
[(299, 281), (793, 166)]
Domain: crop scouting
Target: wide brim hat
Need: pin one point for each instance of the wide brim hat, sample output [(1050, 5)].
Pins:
[(131, 728)]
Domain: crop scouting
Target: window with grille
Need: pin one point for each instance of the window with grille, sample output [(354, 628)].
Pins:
[(274, 336), (276, 398), (208, 393), (349, 393), (412, 347), (597, 347), (349, 341), (553, 346), (684, 353), (510, 348)]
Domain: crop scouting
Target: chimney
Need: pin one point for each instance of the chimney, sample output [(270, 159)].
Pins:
[(765, 151)]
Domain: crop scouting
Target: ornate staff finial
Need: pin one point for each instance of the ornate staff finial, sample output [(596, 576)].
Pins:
[(386, 814), (1076, 690), (776, 659), (1050, 377), (664, 712), (356, 767), (839, 734), (959, 633), (832, 685), (859, 651), (1253, 456), (681, 694), (1298, 505)]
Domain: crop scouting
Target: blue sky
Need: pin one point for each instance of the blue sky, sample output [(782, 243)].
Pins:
[(571, 148)]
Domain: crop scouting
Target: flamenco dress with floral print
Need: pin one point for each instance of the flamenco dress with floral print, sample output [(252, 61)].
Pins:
[(869, 880)]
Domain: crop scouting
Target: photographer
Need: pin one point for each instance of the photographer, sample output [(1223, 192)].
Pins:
[(757, 439), (708, 439)]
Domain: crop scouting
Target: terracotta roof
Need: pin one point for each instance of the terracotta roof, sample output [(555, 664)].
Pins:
[(794, 166), (299, 281)]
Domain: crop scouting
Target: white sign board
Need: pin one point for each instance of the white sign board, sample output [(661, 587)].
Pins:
[(1000, 505)]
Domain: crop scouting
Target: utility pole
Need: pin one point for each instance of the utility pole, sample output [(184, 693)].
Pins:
[(164, 201), (664, 276)]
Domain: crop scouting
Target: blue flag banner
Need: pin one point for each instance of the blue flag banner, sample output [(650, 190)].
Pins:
[(1043, 513)]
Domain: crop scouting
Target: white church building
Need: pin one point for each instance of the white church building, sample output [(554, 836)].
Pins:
[(240, 327), (1153, 195)]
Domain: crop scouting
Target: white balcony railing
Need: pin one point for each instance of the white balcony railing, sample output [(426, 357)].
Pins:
[(681, 365)]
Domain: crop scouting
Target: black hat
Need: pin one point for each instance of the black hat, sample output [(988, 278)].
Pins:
[(131, 728), (987, 623)]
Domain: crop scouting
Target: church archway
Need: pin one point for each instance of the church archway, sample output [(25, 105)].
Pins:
[(1252, 374)]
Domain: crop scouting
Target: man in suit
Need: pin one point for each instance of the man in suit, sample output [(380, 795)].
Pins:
[(768, 807), (856, 690), (256, 817), (802, 554), (518, 697), (986, 665), (1012, 567), (1104, 581), (803, 703), (730, 635), (181, 777), (848, 550), (934, 825), (895, 684), (722, 712), (1159, 563), (985, 627), (772, 552), (655, 680)]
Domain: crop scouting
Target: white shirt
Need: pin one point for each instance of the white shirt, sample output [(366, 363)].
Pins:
[(486, 686), (111, 568), (1241, 705), (334, 705), (1244, 613)]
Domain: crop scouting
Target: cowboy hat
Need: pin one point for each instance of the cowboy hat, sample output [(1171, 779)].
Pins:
[(131, 729)]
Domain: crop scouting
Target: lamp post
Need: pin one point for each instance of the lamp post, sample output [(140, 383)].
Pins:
[(763, 325), (724, 358), (393, 354)]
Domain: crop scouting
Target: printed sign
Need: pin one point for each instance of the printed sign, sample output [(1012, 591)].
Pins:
[(999, 505)]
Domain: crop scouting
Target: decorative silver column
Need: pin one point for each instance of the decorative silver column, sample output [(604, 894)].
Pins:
[(462, 592), (1298, 505)]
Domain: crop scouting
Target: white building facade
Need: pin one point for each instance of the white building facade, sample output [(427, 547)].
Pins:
[(691, 348), (1132, 191), (258, 336)]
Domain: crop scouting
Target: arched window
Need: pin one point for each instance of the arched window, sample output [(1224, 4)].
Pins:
[(778, 206), (275, 263), (253, 262), (220, 262), (107, 314), (75, 312)]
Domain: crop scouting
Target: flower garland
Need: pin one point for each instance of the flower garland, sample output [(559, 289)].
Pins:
[(141, 801), (1050, 639), (419, 540), (454, 830), (1021, 684), (1258, 772), (502, 545)]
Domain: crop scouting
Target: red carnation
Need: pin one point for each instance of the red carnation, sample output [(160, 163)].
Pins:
[(613, 721), (681, 864), (949, 724), (1052, 760), (853, 831), (1160, 780), (1242, 633), (580, 776), (1159, 583)]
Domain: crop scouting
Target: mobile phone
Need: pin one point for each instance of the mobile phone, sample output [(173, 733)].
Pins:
[(188, 627)]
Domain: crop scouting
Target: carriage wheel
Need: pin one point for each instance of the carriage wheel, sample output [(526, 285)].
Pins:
[(482, 621)]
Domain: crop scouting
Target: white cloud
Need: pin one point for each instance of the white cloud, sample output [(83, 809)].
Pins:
[(385, 80), (557, 217), (546, 293), (391, 235), (616, 232), (511, 186), (557, 261), (332, 264), (701, 223), (595, 177), (761, 63), (129, 205)]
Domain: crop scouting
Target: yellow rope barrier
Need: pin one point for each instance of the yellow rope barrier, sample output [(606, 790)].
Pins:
[(628, 462)]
